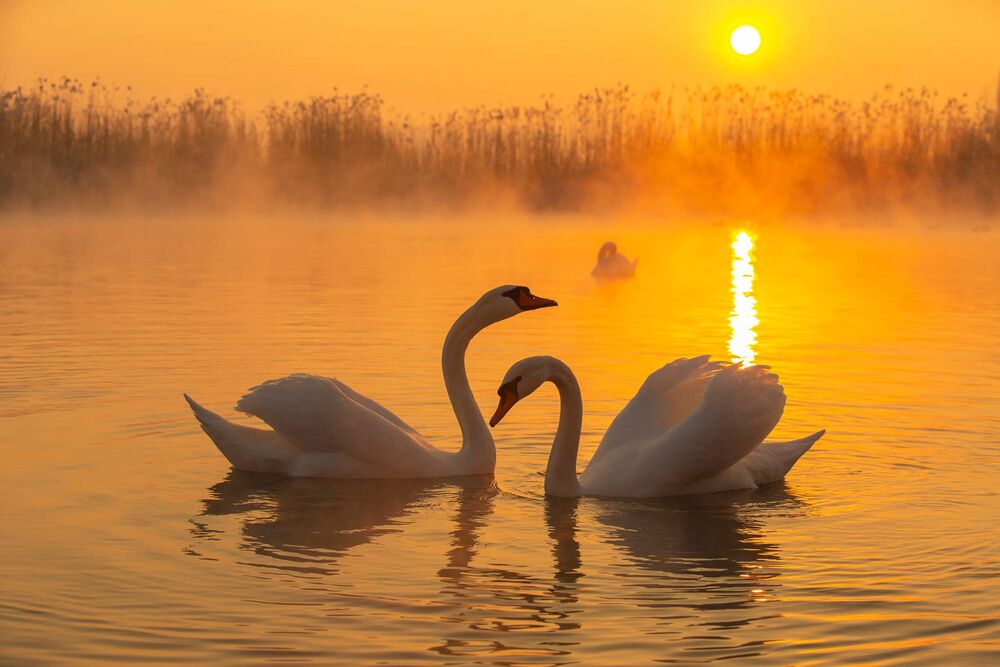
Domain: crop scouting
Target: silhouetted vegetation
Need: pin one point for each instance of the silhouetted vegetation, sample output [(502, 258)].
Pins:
[(727, 151)]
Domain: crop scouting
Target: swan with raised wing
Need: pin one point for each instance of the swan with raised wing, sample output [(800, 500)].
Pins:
[(695, 426), (320, 427)]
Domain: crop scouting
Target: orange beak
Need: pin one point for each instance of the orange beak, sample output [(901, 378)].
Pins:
[(508, 398), (528, 301)]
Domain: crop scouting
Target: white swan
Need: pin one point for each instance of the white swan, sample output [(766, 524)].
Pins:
[(695, 426), (323, 428), (611, 264)]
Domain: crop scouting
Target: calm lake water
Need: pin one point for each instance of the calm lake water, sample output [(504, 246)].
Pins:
[(128, 539)]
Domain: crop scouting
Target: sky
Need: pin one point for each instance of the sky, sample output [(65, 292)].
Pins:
[(435, 55)]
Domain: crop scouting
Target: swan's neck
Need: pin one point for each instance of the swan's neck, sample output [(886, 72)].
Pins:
[(560, 474), (478, 450)]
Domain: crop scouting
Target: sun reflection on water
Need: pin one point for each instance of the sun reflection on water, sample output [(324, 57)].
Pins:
[(743, 317)]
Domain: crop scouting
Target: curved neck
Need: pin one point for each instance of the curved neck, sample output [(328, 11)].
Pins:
[(477, 442), (560, 473)]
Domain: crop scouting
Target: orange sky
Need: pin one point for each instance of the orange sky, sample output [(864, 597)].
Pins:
[(441, 54)]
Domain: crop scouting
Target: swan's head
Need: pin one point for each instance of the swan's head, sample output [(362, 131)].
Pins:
[(509, 300), (521, 381)]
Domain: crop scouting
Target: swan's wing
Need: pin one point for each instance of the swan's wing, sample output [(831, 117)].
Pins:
[(740, 407), (667, 396), (373, 406), (317, 384), (324, 414)]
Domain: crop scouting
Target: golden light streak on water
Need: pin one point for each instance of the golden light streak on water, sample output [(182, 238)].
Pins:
[(743, 318)]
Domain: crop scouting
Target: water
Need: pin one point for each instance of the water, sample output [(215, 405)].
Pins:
[(128, 539)]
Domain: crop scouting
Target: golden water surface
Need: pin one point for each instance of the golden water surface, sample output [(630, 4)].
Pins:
[(127, 538)]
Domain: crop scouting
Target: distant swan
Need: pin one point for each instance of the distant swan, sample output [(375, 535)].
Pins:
[(611, 264), (695, 426), (323, 428)]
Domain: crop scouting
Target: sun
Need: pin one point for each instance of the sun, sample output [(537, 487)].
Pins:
[(745, 40)]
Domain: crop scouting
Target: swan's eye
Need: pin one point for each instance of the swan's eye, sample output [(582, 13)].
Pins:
[(509, 388)]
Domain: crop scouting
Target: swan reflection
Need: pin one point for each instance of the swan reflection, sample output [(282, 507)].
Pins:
[(307, 524), (700, 562), (689, 563), (494, 599)]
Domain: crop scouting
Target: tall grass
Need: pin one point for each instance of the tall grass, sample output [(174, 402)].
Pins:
[(717, 150)]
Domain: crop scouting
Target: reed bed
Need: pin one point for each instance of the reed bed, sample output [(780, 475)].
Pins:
[(709, 151)]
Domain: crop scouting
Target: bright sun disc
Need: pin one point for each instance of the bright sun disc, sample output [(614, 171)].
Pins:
[(745, 40)]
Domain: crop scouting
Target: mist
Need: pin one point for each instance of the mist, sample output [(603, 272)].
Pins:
[(729, 152)]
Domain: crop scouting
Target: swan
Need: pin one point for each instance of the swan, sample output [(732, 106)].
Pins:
[(323, 428), (695, 426), (611, 264)]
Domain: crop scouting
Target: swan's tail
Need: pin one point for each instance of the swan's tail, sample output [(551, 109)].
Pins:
[(210, 422), (771, 461), (247, 448)]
